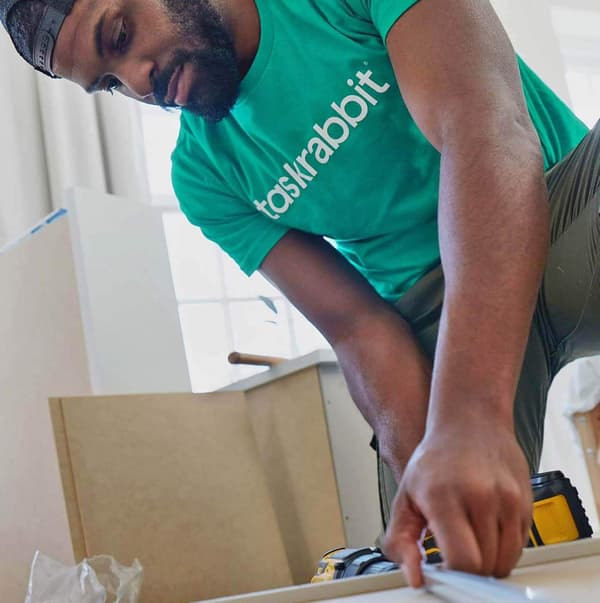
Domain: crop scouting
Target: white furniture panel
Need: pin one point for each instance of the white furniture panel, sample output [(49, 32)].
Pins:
[(128, 304), (87, 307), (563, 573)]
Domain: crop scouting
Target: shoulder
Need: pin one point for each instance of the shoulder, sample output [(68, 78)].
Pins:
[(382, 14)]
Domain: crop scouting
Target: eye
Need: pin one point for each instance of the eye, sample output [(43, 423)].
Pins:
[(112, 84), (122, 37)]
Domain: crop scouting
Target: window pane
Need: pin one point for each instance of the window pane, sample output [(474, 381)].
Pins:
[(206, 345), (160, 134), (576, 23), (258, 330), (578, 32), (194, 260), (237, 284), (585, 92)]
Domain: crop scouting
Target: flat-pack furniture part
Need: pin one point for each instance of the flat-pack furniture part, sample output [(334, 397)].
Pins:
[(175, 481), (561, 573), (274, 396), (77, 299)]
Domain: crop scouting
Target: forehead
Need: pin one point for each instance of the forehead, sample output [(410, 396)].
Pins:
[(76, 56), (75, 47)]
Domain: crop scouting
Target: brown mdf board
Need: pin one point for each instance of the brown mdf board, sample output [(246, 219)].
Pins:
[(588, 426), (42, 354), (291, 432), (176, 481)]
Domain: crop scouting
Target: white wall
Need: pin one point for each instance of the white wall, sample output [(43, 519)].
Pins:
[(529, 25)]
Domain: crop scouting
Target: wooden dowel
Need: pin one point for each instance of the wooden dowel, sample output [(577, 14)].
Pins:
[(253, 359)]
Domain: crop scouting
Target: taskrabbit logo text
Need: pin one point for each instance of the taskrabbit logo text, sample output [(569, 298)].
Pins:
[(327, 137)]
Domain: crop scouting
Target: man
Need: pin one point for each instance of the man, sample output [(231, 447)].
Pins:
[(406, 131)]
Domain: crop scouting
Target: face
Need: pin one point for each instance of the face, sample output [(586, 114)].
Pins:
[(173, 53)]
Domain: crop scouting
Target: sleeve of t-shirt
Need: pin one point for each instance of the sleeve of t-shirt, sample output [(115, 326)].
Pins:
[(382, 13), (233, 224)]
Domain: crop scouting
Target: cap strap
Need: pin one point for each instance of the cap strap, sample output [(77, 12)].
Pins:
[(45, 39)]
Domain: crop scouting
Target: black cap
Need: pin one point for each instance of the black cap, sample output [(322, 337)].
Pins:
[(46, 31)]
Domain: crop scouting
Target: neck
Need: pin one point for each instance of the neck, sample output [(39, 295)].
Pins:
[(242, 18)]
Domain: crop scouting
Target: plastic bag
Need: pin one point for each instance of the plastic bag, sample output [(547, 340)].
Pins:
[(97, 580)]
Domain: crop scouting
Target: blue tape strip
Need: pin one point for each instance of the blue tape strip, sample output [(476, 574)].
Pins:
[(55, 215)]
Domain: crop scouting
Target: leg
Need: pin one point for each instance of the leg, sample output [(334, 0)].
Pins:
[(567, 319), (570, 296)]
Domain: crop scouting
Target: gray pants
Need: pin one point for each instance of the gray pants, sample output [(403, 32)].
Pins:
[(566, 324)]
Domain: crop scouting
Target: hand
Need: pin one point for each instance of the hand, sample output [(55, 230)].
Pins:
[(470, 487)]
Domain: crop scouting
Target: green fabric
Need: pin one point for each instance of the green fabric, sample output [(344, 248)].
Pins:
[(313, 145)]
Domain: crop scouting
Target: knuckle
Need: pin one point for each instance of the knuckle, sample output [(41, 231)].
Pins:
[(389, 543), (391, 551), (482, 493), (436, 491), (465, 563), (394, 546), (512, 499), (527, 508)]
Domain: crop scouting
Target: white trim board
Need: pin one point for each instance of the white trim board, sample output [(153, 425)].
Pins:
[(395, 580)]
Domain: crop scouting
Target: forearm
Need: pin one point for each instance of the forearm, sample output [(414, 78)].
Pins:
[(493, 223), (389, 378), (387, 373)]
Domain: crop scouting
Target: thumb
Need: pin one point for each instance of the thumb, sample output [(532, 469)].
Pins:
[(402, 541)]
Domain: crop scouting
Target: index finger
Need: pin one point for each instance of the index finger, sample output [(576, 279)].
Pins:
[(402, 541)]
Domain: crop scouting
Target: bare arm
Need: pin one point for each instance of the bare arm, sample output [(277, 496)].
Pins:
[(459, 78), (387, 373)]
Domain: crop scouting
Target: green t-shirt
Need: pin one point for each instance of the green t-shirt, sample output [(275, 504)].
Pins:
[(321, 141)]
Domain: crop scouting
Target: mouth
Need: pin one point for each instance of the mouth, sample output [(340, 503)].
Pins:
[(180, 85), (170, 96)]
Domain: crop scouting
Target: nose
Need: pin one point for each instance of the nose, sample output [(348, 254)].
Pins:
[(137, 76)]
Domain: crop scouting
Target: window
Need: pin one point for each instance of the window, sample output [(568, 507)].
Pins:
[(220, 309), (578, 32)]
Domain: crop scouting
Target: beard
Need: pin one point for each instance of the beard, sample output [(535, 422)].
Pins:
[(216, 84)]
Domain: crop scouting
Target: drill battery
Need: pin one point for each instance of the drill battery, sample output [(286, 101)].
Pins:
[(558, 516)]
